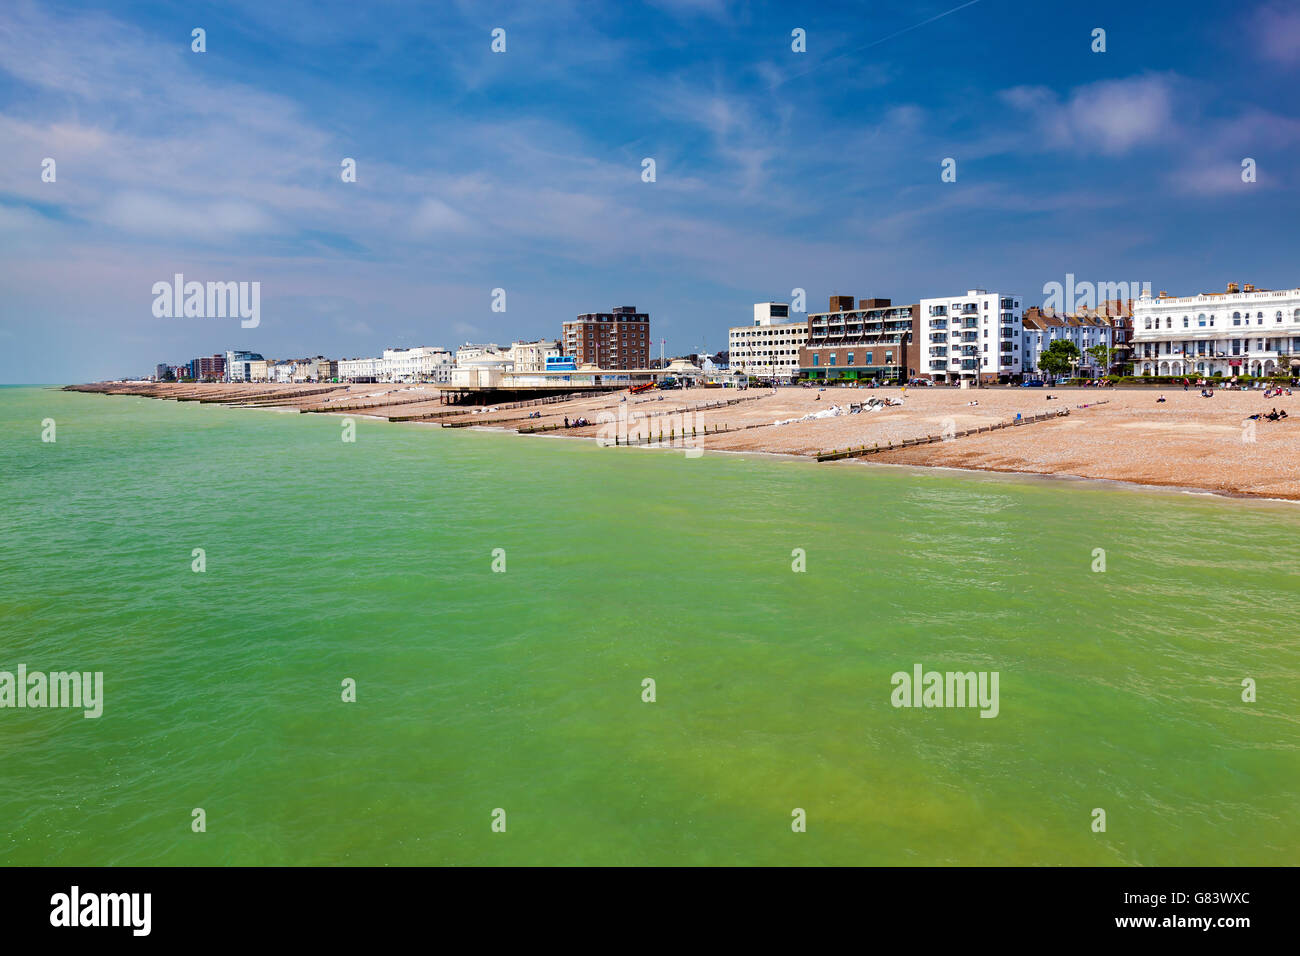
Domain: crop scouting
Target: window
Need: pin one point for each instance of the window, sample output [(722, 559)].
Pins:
[(1148, 322), (816, 359), (830, 359), (868, 359), (1279, 317), (1236, 318), (848, 359), (1169, 321)]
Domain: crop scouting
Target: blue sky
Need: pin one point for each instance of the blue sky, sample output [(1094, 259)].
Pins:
[(522, 170)]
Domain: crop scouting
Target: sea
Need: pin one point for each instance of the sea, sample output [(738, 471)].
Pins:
[(434, 646)]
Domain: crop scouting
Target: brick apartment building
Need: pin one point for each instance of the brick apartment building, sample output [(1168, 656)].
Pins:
[(616, 339), (874, 340)]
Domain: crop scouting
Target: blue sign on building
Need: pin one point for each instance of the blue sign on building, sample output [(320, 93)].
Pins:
[(561, 363)]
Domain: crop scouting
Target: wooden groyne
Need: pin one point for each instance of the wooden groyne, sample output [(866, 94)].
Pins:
[(862, 450)]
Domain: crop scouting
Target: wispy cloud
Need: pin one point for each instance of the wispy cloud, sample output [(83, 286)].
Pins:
[(1110, 116)]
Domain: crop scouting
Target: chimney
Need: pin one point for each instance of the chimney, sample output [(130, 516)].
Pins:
[(1248, 287), (1232, 288), (841, 303)]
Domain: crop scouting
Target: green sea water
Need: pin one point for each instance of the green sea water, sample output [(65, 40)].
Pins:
[(522, 690)]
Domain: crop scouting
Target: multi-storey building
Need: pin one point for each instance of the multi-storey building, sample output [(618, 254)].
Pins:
[(1243, 331), (209, 368), (769, 348), (360, 369), (971, 338), (616, 339), (470, 351), (532, 356), (875, 340), (420, 364), (1086, 330), (239, 366)]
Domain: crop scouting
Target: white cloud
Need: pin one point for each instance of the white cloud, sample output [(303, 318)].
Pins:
[(1110, 116)]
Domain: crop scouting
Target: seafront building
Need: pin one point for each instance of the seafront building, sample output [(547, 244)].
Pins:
[(1085, 330), (972, 338), (619, 339), (360, 369), (470, 351), (240, 368), (419, 364), (874, 340), (1241, 331), (768, 349), (532, 356), (208, 368)]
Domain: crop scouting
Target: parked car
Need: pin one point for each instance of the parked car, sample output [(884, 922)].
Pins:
[(1033, 383)]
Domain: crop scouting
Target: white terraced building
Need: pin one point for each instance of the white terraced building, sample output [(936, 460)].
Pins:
[(363, 369), (770, 347), (1084, 330), (965, 336), (421, 364), (1243, 331)]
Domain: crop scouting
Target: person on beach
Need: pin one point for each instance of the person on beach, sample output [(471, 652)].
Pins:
[(566, 421), (1160, 399)]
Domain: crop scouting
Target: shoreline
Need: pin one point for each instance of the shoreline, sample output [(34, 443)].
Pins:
[(1119, 436)]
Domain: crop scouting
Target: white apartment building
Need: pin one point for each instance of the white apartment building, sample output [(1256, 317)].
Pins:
[(971, 338), (770, 347), (1042, 328), (531, 356), (419, 364), (1243, 331), (239, 367), (360, 368), (470, 351)]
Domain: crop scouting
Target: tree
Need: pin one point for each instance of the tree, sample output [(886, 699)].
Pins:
[(1058, 357), (1102, 354)]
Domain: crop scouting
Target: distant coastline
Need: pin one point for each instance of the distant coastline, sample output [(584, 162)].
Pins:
[(1187, 442)]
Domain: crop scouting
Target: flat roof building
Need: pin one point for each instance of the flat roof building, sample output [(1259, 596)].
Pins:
[(616, 339), (873, 340)]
